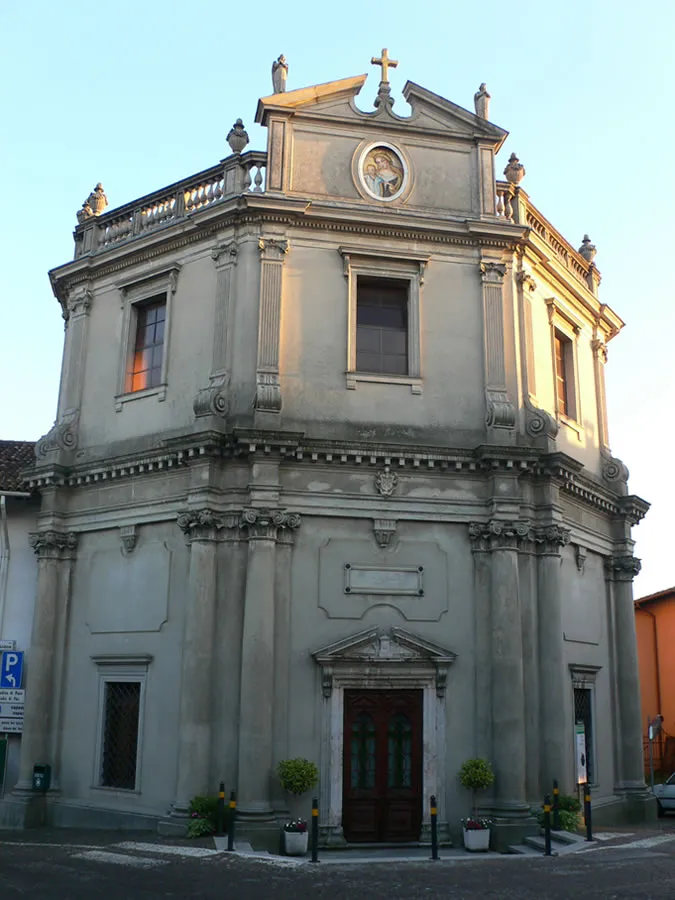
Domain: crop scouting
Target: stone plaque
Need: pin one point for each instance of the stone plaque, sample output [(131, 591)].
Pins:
[(405, 580)]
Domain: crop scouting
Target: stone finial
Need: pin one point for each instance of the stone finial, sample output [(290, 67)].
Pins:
[(515, 170), (94, 205), (237, 138), (481, 101), (85, 213), (587, 250), (97, 200), (279, 74)]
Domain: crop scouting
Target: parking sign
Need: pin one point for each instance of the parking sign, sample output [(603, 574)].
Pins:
[(11, 670)]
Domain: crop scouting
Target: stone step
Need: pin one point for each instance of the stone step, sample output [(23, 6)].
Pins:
[(537, 842)]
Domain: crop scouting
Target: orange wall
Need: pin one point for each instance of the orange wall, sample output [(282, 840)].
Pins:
[(656, 646)]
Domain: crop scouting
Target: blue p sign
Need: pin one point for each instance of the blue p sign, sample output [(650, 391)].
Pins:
[(11, 671)]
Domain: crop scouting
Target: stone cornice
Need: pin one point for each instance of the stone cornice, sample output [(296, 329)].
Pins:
[(568, 473), (262, 209)]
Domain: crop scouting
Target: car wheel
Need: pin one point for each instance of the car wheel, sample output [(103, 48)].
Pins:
[(660, 810)]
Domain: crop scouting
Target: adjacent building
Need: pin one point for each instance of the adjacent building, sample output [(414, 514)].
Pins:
[(655, 627), (330, 477), (18, 578)]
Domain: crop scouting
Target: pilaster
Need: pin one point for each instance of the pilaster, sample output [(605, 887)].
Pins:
[(555, 744), (502, 540), (620, 570), (62, 436), (212, 400), (501, 413), (257, 720), (538, 423), (55, 551), (273, 250), (203, 529)]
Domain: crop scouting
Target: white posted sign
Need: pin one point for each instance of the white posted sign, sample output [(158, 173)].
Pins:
[(12, 695), (11, 726), (580, 741)]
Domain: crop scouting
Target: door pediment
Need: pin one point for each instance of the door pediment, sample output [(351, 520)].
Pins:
[(384, 657)]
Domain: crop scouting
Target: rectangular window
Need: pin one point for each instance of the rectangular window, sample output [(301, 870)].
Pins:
[(119, 753), (382, 326), (145, 360), (583, 715), (564, 375)]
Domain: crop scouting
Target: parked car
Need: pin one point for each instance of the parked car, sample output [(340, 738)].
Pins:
[(665, 794)]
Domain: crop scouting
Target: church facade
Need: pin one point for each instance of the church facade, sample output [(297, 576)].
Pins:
[(330, 478)]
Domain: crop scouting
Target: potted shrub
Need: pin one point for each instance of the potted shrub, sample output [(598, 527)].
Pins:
[(476, 775), (297, 776), (295, 837)]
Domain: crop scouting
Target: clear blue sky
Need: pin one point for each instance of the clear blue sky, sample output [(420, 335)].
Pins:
[(138, 95)]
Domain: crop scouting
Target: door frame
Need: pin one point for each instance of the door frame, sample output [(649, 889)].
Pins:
[(379, 660)]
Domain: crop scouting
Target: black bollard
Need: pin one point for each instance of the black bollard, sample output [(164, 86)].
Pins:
[(230, 824), (547, 825), (220, 813), (434, 828), (556, 806), (587, 812), (315, 830)]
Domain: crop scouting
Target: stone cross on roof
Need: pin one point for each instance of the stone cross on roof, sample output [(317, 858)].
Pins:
[(385, 63)]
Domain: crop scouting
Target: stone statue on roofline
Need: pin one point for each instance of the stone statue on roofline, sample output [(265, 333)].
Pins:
[(481, 100), (279, 74), (94, 205)]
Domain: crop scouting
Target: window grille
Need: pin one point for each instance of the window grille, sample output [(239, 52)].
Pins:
[(120, 734), (583, 715)]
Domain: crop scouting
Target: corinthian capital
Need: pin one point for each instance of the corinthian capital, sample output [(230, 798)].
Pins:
[(53, 544), (273, 248), (623, 568), (203, 524), (492, 272), (265, 524), (551, 538), (499, 535)]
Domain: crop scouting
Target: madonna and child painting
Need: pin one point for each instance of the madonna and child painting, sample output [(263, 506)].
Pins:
[(382, 173)]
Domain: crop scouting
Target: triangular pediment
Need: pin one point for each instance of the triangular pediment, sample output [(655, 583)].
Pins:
[(379, 645), (329, 94), (335, 101)]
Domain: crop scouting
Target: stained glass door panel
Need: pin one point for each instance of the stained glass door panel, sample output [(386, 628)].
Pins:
[(382, 774)]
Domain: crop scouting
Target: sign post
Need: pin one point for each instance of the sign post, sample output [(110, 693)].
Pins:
[(11, 670)]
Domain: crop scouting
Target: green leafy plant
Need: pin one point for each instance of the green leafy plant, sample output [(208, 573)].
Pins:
[(476, 775), (570, 813), (203, 813), (297, 775)]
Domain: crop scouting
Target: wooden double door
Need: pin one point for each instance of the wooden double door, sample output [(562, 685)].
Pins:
[(382, 771)]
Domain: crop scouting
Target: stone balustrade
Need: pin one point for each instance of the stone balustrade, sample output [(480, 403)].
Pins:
[(238, 174), (514, 205)]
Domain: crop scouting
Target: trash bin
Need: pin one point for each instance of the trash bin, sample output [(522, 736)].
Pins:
[(42, 777)]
